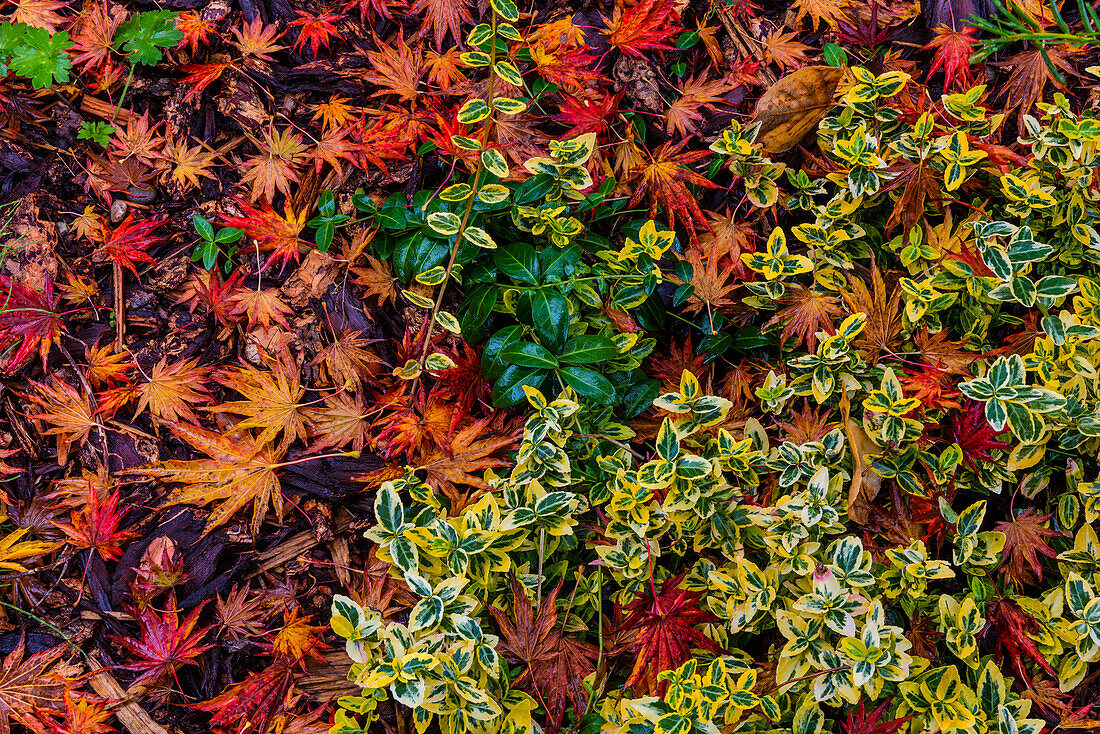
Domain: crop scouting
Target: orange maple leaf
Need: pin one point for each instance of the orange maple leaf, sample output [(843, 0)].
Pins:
[(696, 95), (645, 26), (664, 179), (271, 402)]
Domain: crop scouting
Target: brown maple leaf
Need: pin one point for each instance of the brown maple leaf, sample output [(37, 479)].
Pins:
[(807, 312), (919, 185), (461, 462), (28, 684), (827, 12), (555, 663), (339, 421), (713, 278), (1023, 545), (347, 362), (1031, 74), (884, 318)]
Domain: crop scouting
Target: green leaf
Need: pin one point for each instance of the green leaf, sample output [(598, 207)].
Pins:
[(509, 388), (42, 58), (550, 316), (203, 227), (505, 9), (445, 223), (494, 162), (588, 349), (529, 354), (142, 37), (473, 111), (518, 262), (588, 384)]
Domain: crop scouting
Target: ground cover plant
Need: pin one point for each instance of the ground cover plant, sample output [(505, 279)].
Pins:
[(626, 367)]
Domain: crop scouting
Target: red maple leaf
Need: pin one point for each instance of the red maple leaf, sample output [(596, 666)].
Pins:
[(316, 30), (872, 722), (646, 26), (587, 115), (125, 244), (272, 231), (664, 179), (252, 704), (28, 321), (970, 430), (95, 526), (664, 633), (165, 644), (953, 51), (1012, 625), (1023, 542)]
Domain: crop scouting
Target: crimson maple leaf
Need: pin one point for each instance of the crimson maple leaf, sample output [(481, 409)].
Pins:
[(1012, 625), (272, 231), (125, 244), (556, 664), (29, 321), (165, 644), (251, 705), (873, 721), (1023, 544), (664, 627), (96, 525), (972, 432), (645, 26), (316, 30)]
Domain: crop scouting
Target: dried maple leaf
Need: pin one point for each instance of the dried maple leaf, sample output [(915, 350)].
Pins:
[(442, 17), (408, 430), (335, 113), (332, 147), (784, 51), (806, 312), (13, 548), (953, 49), (316, 30), (271, 405), (919, 185), (274, 232), (82, 714), (239, 472), (68, 410), (206, 288), (444, 69), (95, 526), (664, 631), (105, 367), (347, 362), (108, 175), (827, 12), (884, 318), (696, 95), (29, 322), (94, 37), (39, 14), (138, 140), (713, 278), (664, 178), (31, 684), (1030, 75), (1023, 544), (171, 389), (125, 244), (555, 664), (165, 644), (647, 25), (240, 614), (369, 8)]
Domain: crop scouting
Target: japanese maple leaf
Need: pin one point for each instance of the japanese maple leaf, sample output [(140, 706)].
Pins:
[(918, 184), (713, 278), (68, 410), (468, 454), (953, 51), (201, 76), (555, 664), (442, 17), (645, 26), (262, 307), (696, 95), (239, 614), (341, 420), (873, 721), (95, 526), (1012, 626), (972, 432), (298, 639), (664, 627), (396, 69), (126, 244), (271, 405), (588, 115), (316, 30), (257, 40), (196, 30), (1031, 74), (1023, 545), (39, 14), (331, 148), (784, 51), (171, 389), (189, 163), (238, 472), (139, 140), (278, 233), (826, 12), (254, 704), (30, 684), (165, 644), (29, 322), (664, 179), (275, 169), (378, 278), (369, 8), (932, 386), (805, 313), (884, 318), (82, 714)]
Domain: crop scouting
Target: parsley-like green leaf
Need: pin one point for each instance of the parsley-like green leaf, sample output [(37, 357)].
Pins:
[(42, 58), (142, 37)]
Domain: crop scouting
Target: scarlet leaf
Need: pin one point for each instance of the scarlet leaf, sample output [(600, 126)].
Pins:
[(1023, 545), (29, 321), (1012, 625), (645, 26), (96, 525), (664, 179), (165, 644), (126, 244)]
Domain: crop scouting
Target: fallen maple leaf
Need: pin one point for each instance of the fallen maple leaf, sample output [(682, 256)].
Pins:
[(1023, 544), (953, 49), (165, 644), (873, 721), (442, 17), (696, 95), (1031, 72), (68, 410), (30, 684), (1012, 626), (664, 179), (462, 462), (29, 322), (645, 26), (251, 706), (125, 244), (171, 390), (95, 526), (271, 402), (664, 631), (279, 233)]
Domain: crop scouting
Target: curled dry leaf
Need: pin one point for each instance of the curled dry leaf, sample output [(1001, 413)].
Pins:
[(794, 105), (865, 480)]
